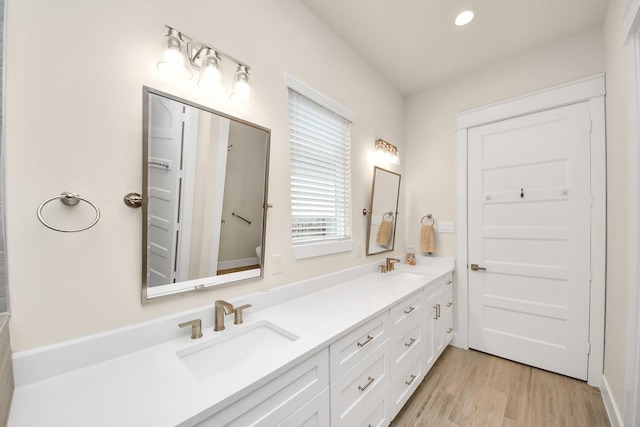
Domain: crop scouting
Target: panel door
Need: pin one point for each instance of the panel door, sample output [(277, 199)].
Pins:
[(529, 227), (164, 173)]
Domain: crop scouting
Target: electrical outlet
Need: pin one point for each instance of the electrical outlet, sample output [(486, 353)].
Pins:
[(277, 263)]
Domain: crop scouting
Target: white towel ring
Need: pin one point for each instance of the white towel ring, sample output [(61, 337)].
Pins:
[(428, 216), (69, 199)]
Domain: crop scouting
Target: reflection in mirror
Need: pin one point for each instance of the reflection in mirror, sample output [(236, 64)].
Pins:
[(205, 178), (383, 212)]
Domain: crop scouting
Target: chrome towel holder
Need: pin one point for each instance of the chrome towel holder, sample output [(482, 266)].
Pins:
[(70, 199)]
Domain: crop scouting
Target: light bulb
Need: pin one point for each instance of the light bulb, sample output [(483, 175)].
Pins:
[(210, 75), (242, 87), (173, 60)]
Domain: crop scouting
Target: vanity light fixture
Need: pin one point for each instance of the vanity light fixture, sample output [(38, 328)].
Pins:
[(173, 60), (465, 17), (387, 152), (241, 86), (182, 53)]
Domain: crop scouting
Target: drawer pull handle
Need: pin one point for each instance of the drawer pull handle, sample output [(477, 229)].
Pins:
[(410, 343), (409, 310), (449, 304), (449, 330), (413, 377), (363, 388), (362, 344), (435, 310)]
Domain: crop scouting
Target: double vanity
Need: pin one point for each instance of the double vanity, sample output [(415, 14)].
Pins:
[(343, 349)]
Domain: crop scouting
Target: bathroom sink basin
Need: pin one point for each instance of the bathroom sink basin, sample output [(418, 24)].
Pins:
[(405, 275), (234, 348)]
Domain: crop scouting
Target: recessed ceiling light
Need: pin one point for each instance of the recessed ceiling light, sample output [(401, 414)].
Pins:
[(465, 17)]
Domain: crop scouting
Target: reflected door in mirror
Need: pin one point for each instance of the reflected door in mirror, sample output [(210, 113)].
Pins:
[(205, 179)]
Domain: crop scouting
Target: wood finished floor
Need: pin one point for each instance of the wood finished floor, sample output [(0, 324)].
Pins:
[(467, 388)]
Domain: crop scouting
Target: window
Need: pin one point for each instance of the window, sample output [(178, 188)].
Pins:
[(319, 132)]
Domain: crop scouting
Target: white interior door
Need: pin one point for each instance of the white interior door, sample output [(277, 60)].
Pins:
[(529, 216), (164, 174)]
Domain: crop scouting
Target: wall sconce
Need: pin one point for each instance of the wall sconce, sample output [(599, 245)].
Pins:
[(181, 53), (387, 152)]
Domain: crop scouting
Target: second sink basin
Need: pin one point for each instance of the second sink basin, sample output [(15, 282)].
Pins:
[(235, 348)]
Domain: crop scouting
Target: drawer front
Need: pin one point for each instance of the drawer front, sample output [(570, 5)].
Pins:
[(406, 310), (316, 413), (405, 383), (278, 399), (349, 350), (378, 413), (406, 343), (357, 389), (434, 288)]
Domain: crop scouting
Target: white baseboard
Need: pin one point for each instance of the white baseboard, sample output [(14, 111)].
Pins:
[(615, 418)]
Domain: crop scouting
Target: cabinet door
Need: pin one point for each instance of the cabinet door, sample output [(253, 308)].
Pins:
[(447, 315), (315, 413), (275, 401), (429, 330)]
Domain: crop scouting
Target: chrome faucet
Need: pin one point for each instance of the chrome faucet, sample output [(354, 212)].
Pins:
[(389, 263), (222, 308)]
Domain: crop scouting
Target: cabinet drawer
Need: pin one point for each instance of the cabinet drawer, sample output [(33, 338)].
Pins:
[(378, 413), (406, 310), (316, 413), (405, 383), (275, 401), (407, 342), (355, 390), (349, 350)]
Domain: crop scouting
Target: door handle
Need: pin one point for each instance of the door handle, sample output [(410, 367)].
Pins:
[(476, 267)]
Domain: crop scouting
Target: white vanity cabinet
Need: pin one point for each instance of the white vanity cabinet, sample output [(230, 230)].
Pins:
[(359, 365), (438, 330), (407, 344), (296, 395)]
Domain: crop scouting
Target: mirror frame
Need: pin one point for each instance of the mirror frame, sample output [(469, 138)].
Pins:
[(377, 169), (199, 286)]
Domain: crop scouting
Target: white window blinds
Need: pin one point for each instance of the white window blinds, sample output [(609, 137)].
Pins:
[(320, 171)]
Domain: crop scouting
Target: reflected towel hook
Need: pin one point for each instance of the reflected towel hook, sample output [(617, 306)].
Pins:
[(429, 216), (70, 199), (390, 213)]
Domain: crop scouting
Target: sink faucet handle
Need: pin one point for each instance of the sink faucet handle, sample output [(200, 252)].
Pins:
[(238, 314), (196, 328)]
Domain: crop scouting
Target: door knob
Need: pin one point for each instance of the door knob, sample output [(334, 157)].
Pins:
[(476, 267)]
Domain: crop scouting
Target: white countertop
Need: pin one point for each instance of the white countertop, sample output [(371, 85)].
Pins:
[(152, 387)]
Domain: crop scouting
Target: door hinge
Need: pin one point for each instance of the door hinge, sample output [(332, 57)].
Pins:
[(588, 348), (590, 275)]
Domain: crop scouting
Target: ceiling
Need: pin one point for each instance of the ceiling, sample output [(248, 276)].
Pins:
[(414, 44)]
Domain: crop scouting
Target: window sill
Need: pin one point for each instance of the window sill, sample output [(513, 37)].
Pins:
[(310, 250)]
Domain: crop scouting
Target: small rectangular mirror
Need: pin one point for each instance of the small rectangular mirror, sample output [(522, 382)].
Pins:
[(383, 211), (205, 196)]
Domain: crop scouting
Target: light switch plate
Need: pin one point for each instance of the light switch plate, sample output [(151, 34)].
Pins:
[(446, 227), (277, 263)]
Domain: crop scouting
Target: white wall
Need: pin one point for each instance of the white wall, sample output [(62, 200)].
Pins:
[(75, 71), (617, 66)]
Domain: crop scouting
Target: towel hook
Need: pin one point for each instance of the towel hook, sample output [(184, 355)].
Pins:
[(428, 216)]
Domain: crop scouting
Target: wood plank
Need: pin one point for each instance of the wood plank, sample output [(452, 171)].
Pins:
[(467, 388)]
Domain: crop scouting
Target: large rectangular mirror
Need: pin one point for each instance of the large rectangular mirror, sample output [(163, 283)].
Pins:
[(383, 213), (204, 207)]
